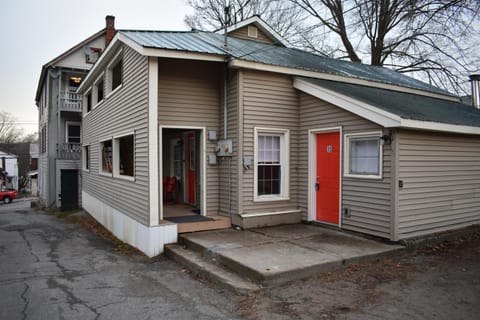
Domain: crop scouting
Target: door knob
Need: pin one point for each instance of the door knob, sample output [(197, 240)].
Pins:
[(317, 186)]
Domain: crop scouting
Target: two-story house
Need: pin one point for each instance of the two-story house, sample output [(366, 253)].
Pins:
[(60, 119)]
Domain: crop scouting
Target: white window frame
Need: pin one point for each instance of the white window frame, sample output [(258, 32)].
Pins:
[(85, 110), (116, 157), (72, 123), (100, 168), (85, 159), (117, 59), (95, 101), (346, 164), (284, 164)]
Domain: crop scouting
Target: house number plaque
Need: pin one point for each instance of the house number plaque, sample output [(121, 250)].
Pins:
[(329, 149)]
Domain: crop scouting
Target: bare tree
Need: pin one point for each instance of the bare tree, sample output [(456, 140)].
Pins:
[(283, 16), (435, 40), (9, 131), (432, 38)]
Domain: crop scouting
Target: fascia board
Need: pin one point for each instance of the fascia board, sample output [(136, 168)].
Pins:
[(437, 126), (364, 110)]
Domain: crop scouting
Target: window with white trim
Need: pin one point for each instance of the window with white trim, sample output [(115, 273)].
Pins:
[(86, 158), (271, 164), (106, 151), (363, 155), (87, 102), (99, 90), (124, 158), (115, 71), (72, 132)]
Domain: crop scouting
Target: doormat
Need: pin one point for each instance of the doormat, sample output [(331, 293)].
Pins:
[(188, 219)]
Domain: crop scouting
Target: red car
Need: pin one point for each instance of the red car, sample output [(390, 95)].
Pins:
[(8, 195)]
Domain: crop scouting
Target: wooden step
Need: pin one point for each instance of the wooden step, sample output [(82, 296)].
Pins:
[(218, 222)]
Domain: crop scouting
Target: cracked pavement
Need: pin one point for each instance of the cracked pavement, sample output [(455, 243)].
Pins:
[(51, 269)]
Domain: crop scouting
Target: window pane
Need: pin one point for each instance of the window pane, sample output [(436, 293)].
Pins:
[(268, 180), (100, 91), (73, 133), (117, 75), (125, 145), (364, 156), (107, 156)]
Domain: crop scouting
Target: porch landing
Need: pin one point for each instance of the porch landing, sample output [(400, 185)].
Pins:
[(251, 259)]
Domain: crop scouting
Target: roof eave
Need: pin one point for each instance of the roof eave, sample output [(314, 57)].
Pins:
[(377, 115), (55, 60)]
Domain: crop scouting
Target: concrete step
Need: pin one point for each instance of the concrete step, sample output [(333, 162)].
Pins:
[(207, 267), (221, 260)]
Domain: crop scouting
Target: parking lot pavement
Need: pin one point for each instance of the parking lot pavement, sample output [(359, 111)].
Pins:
[(50, 269)]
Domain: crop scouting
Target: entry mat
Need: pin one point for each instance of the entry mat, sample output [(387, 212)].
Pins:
[(187, 219)]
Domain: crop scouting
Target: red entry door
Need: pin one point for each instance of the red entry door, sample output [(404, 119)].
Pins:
[(328, 177), (190, 151)]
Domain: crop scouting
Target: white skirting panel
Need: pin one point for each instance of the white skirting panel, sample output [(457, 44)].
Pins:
[(149, 240)]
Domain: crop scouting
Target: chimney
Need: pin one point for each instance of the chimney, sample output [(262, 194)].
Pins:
[(475, 80), (110, 29)]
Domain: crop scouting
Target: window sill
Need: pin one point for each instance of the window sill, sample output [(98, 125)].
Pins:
[(114, 90), (122, 177), (105, 174), (361, 176), (270, 198), (86, 170)]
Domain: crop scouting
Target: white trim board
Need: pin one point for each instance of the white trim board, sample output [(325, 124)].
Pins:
[(377, 115), (203, 165)]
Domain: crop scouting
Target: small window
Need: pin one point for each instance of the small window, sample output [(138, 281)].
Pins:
[(116, 74), (124, 163), (106, 150), (99, 90), (271, 164), (363, 155), (86, 158), (73, 133), (88, 101)]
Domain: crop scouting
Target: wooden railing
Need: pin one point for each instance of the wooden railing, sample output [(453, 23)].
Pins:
[(69, 151), (70, 101)]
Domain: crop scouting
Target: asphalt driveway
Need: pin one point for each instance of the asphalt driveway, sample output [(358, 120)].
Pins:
[(53, 269)]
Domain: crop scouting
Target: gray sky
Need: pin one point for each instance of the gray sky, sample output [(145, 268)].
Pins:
[(35, 31)]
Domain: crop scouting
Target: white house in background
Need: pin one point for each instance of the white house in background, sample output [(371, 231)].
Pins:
[(60, 120), (9, 171)]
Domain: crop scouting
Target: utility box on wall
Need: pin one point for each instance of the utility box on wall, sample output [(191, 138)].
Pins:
[(225, 148)]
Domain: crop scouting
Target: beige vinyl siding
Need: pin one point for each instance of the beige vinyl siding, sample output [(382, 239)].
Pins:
[(243, 34), (269, 100), (369, 200), (189, 95), (441, 182), (125, 111), (228, 184)]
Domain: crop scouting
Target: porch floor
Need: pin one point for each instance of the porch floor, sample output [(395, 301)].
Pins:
[(275, 255)]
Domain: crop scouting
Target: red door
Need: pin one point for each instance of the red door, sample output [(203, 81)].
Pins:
[(190, 151), (328, 177)]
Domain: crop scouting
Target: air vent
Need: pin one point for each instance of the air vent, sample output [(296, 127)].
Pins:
[(252, 32)]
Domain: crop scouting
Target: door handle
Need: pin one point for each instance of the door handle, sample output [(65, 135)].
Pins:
[(317, 186)]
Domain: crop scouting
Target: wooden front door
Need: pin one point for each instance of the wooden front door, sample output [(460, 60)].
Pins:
[(327, 184), (191, 164)]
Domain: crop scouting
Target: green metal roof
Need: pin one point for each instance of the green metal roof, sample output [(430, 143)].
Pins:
[(406, 105), (270, 54)]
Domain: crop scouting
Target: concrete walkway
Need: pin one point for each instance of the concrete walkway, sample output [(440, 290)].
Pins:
[(275, 255)]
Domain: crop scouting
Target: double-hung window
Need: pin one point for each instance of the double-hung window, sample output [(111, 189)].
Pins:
[(363, 155), (115, 73), (271, 164), (106, 150)]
